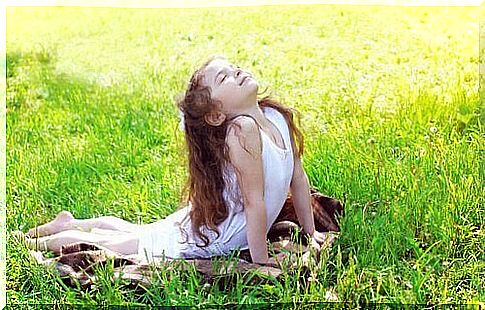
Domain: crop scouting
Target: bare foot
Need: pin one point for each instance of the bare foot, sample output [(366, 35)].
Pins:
[(57, 225), (37, 244), (31, 243), (18, 235)]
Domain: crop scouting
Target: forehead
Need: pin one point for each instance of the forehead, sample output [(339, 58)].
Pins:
[(213, 67)]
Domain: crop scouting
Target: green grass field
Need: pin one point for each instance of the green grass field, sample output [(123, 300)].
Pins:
[(389, 102)]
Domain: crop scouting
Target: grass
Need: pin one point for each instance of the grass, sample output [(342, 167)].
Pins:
[(390, 111)]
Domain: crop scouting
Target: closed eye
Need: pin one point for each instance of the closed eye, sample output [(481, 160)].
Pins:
[(223, 78)]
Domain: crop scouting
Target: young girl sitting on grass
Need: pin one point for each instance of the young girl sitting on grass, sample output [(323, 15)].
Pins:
[(244, 157)]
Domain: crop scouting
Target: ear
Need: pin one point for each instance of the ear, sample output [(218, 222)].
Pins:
[(215, 118)]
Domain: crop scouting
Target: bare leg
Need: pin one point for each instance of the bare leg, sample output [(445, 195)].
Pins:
[(99, 231), (65, 221), (123, 243)]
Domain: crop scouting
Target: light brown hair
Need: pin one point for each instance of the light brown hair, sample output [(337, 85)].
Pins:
[(208, 153)]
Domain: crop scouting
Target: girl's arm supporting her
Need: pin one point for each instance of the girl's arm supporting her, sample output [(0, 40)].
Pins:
[(300, 191), (245, 151)]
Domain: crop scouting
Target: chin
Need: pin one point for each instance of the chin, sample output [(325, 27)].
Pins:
[(252, 86)]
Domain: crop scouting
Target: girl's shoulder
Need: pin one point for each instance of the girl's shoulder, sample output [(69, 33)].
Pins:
[(243, 132), (242, 124)]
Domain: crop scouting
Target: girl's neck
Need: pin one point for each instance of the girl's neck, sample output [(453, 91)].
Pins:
[(256, 112)]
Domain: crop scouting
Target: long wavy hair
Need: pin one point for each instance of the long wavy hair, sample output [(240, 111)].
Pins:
[(208, 154)]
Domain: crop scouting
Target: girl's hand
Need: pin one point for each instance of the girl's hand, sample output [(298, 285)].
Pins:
[(322, 239), (279, 258), (317, 242), (276, 260)]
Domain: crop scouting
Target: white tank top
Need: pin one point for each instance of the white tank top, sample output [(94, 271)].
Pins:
[(278, 171)]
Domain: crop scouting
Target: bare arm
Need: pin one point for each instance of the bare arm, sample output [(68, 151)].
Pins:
[(245, 154), (300, 191)]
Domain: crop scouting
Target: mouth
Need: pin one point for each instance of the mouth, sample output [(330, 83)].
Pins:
[(244, 79)]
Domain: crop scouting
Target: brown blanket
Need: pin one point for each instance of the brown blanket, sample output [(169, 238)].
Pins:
[(78, 261)]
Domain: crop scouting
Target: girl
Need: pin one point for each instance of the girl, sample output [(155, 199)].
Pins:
[(244, 157)]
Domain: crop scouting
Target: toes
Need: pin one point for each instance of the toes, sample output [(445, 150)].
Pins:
[(30, 243), (37, 244), (18, 235)]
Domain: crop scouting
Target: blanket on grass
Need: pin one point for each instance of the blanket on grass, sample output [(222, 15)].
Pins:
[(78, 262)]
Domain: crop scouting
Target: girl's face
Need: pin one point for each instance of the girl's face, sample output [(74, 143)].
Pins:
[(234, 87)]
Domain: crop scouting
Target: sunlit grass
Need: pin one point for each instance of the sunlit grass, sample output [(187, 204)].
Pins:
[(390, 111)]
